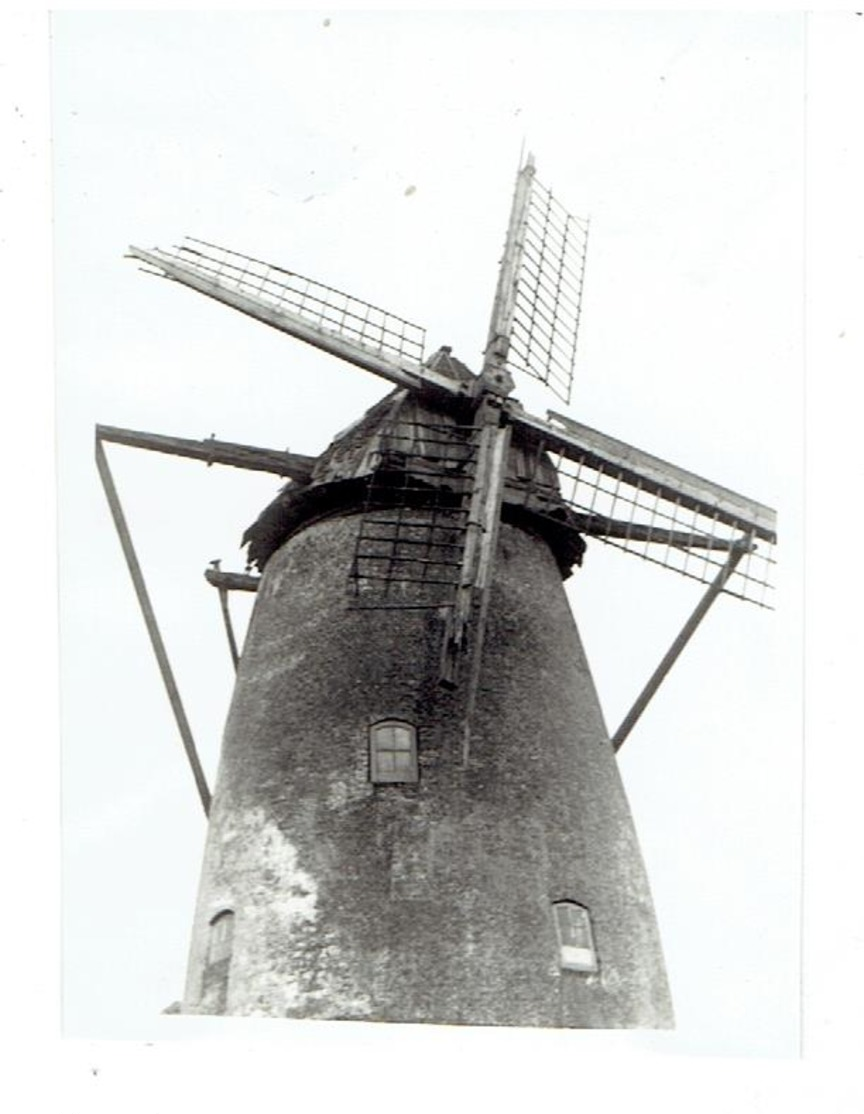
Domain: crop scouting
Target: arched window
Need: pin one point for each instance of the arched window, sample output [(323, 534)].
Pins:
[(393, 752), (221, 937), (214, 979), (575, 937)]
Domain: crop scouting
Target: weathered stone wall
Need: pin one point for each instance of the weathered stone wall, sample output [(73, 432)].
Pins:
[(429, 902)]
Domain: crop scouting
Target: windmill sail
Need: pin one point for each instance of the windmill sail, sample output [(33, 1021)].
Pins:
[(647, 506), (357, 331), (485, 857), (538, 302), (617, 493)]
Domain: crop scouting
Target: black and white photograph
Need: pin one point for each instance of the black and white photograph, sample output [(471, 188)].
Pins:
[(438, 674), (429, 393)]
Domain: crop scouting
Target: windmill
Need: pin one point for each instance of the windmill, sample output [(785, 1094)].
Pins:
[(418, 814)]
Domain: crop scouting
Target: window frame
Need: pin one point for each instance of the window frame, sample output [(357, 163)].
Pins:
[(581, 956), (220, 937), (406, 772)]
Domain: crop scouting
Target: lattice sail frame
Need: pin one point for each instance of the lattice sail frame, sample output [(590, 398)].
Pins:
[(342, 315), (548, 296), (693, 539), (547, 274), (411, 540)]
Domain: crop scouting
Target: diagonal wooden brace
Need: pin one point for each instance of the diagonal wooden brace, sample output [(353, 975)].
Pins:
[(151, 624), (742, 546)]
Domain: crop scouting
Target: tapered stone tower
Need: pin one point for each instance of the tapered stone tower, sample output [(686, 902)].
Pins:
[(363, 861), (418, 814)]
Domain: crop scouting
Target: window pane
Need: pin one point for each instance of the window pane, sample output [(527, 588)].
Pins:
[(574, 927), (401, 738), (393, 752), (575, 938), (221, 937), (402, 762)]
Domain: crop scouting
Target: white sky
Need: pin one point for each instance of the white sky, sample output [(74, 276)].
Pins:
[(681, 135)]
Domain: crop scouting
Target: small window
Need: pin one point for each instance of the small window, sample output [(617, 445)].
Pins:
[(575, 937), (214, 977), (221, 937), (393, 752)]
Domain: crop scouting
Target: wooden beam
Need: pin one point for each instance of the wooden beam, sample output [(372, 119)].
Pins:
[(495, 373), (229, 628), (402, 372), (496, 473), (153, 631), (595, 526), (226, 619), (582, 444), (211, 451), (487, 487), (742, 546), (232, 581)]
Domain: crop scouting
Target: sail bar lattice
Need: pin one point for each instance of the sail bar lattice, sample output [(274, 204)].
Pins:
[(542, 275), (338, 323), (664, 514)]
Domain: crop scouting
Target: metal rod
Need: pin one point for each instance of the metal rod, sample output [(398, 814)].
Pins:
[(687, 631), (226, 617), (152, 626), (229, 629)]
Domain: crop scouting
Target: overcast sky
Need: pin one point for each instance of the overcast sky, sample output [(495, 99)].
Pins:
[(376, 152)]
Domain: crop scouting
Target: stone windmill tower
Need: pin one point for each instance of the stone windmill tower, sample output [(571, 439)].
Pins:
[(418, 814)]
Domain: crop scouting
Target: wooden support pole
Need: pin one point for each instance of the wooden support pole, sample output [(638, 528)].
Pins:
[(495, 375), (229, 629), (745, 545), (487, 423), (583, 445), (211, 451), (396, 369), (232, 581), (595, 526), (151, 624), (485, 572), (226, 619)]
